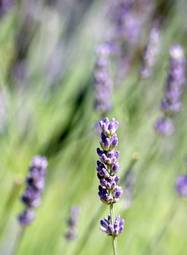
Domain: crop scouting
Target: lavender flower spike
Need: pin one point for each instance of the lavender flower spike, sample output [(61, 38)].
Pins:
[(112, 230), (34, 187), (181, 185), (151, 52), (72, 224), (107, 167), (103, 82), (171, 103)]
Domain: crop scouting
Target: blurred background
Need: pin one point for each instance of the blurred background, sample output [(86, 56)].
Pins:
[(52, 53)]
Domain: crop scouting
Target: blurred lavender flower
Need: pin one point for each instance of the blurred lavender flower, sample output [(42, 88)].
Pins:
[(181, 185), (175, 82), (34, 188), (119, 12), (72, 224), (164, 126), (5, 5), (151, 52), (107, 167), (128, 21), (171, 103), (26, 217), (103, 82)]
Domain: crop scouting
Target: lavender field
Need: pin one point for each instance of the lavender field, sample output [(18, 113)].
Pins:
[(93, 127)]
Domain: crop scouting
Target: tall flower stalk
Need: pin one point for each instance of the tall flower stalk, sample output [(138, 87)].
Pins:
[(34, 187), (107, 168), (171, 103), (72, 221), (103, 81), (31, 198)]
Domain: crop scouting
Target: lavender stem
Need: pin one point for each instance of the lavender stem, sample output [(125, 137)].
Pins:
[(114, 246)]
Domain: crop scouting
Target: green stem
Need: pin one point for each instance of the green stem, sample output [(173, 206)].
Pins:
[(114, 244), (18, 241)]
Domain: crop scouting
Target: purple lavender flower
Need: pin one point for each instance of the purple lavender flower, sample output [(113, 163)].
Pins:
[(107, 167), (128, 20), (112, 229), (171, 103), (164, 126), (5, 5), (181, 185), (103, 82), (26, 217), (34, 187), (151, 52), (120, 11), (72, 224)]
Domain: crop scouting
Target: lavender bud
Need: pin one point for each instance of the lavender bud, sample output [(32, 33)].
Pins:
[(181, 185), (26, 217), (72, 224), (164, 126), (112, 229)]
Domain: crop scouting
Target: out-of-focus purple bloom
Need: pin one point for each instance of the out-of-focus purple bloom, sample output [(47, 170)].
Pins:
[(125, 21), (34, 187), (164, 126), (112, 229), (103, 82), (26, 217), (128, 21), (5, 5), (151, 52), (107, 165), (181, 185), (171, 103), (72, 224)]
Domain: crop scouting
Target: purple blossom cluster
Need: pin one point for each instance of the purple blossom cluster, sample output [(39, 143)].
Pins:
[(171, 103), (107, 167), (181, 185), (34, 187), (112, 229), (128, 20), (5, 5), (119, 11), (72, 224), (103, 82)]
